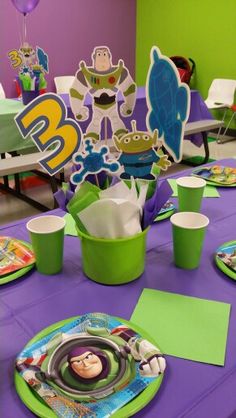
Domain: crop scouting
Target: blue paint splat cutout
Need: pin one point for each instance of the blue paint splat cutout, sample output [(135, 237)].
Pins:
[(42, 58), (92, 162), (168, 102)]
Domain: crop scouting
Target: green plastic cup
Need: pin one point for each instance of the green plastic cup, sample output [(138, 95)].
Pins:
[(113, 261), (47, 236), (188, 229), (190, 192)]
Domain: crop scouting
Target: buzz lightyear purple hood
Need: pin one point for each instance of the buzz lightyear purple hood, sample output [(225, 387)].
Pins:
[(78, 351)]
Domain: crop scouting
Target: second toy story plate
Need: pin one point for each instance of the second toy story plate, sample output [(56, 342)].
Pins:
[(225, 258), (216, 175), (164, 215), (166, 212), (14, 253)]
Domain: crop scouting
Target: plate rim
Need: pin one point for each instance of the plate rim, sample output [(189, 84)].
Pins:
[(165, 215), (127, 410), (18, 273), (221, 265), (213, 183)]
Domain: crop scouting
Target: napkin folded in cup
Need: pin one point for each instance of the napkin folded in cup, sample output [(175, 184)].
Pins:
[(111, 218), (83, 197), (119, 211), (153, 205), (116, 214)]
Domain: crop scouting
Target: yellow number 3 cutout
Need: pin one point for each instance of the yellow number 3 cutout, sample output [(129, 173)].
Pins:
[(15, 58), (55, 128)]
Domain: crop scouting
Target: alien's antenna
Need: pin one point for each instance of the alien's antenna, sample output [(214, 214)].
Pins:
[(133, 124)]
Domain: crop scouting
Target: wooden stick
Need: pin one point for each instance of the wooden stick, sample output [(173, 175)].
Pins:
[(105, 130), (97, 182)]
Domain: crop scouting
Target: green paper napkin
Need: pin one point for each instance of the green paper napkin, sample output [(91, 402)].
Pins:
[(87, 194), (209, 191), (186, 327), (70, 228)]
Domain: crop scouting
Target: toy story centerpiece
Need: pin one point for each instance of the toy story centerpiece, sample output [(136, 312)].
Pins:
[(112, 220), (32, 65), (91, 366)]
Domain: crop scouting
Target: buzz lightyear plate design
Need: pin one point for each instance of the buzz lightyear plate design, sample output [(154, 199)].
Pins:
[(165, 215), (225, 258), (166, 211), (89, 366), (216, 175)]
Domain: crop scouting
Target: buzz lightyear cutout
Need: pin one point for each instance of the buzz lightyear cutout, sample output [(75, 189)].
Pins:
[(27, 54), (103, 81), (138, 154)]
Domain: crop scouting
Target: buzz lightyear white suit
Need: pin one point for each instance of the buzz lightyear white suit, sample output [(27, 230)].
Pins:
[(103, 81)]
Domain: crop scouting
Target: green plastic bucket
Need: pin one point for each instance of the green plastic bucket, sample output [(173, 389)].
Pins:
[(113, 261)]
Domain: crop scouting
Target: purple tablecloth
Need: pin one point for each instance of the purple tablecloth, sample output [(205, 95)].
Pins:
[(189, 389), (198, 111)]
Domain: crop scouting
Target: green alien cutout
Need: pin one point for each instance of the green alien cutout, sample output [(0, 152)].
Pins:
[(138, 154)]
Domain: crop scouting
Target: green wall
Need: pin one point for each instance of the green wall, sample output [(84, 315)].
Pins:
[(204, 30)]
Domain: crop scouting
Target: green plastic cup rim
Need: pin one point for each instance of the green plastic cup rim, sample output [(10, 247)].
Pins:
[(189, 220), (111, 240), (46, 224), (191, 182)]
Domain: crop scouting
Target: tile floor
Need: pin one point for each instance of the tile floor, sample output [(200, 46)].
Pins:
[(217, 151), (12, 209)]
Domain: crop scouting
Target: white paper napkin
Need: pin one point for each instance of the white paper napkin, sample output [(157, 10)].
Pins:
[(120, 191), (111, 218)]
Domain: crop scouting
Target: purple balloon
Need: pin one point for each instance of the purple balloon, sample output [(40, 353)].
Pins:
[(25, 6)]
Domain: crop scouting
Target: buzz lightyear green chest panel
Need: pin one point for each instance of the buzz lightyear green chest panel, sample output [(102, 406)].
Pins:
[(98, 81)]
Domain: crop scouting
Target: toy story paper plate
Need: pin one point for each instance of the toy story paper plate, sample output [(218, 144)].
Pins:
[(166, 211), (91, 366), (225, 258), (217, 175), (16, 259)]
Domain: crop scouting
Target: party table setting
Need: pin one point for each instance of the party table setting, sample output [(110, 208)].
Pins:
[(121, 302), (35, 301)]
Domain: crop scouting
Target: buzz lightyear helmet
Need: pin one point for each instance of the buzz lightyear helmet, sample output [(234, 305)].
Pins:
[(118, 367)]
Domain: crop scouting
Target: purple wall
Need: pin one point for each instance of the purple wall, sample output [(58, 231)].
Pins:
[(68, 30)]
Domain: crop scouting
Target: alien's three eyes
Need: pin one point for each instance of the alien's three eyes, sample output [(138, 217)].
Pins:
[(137, 138)]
